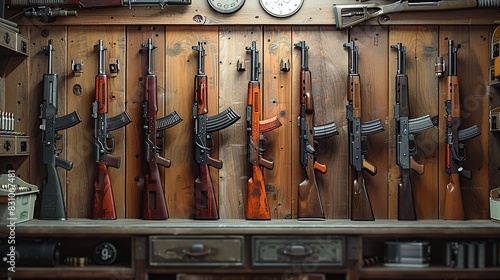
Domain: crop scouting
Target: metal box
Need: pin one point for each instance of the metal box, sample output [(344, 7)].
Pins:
[(314, 250), (196, 250)]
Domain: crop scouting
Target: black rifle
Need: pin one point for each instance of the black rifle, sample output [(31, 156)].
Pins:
[(361, 208), (205, 205), (406, 146), (52, 204), (309, 200)]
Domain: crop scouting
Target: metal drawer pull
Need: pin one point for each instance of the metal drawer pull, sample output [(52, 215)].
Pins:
[(297, 250), (197, 250)]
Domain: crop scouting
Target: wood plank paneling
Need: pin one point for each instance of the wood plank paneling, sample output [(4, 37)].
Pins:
[(276, 88), (81, 41)]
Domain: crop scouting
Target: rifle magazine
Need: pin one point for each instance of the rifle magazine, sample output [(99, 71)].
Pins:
[(324, 131), (168, 121), (468, 133), (371, 127), (420, 124), (222, 120)]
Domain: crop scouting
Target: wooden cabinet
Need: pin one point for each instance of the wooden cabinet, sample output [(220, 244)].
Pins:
[(339, 249)]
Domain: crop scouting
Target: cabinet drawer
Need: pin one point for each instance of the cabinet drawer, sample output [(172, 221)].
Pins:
[(196, 250), (290, 250), (14, 145)]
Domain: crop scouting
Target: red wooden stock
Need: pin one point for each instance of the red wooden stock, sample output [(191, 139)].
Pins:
[(257, 206), (104, 205), (154, 205), (204, 196)]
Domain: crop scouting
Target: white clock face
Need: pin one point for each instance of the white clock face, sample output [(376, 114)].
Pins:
[(281, 8), (226, 6)]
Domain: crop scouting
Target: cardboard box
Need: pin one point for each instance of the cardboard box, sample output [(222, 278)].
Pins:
[(495, 204), (17, 195)]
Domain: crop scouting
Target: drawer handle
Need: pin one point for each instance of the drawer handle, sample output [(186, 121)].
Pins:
[(197, 250), (297, 250)]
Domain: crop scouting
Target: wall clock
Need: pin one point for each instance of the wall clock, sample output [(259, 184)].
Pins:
[(226, 6), (281, 8)]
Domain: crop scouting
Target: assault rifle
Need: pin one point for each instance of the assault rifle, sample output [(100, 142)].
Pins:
[(406, 145), (52, 205), (358, 13), (205, 205), (309, 200), (455, 149), (154, 205), (104, 205), (361, 208), (48, 10), (257, 207)]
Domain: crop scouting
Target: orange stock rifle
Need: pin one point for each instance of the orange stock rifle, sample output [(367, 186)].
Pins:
[(257, 207), (455, 150)]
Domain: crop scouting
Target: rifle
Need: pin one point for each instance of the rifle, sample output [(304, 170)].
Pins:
[(455, 150), (257, 207), (154, 205), (361, 208), (104, 205), (309, 200), (52, 205), (205, 204), (364, 11), (48, 10), (406, 145)]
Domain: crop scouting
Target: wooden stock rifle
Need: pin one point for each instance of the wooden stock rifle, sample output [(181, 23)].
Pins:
[(455, 149), (205, 204), (154, 205), (310, 206), (257, 207), (347, 15), (104, 205), (361, 208)]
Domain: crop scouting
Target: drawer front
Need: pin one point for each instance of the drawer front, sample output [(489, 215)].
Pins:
[(7, 145), (22, 145), (290, 250), (196, 250)]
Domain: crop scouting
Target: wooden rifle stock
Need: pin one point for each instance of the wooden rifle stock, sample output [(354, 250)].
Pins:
[(453, 206), (361, 208), (257, 205), (406, 205), (104, 205), (154, 204), (204, 196)]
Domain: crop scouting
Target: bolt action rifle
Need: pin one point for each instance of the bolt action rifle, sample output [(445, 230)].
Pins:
[(205, 205), (104, 205), (455, 149), (257, 207), (48, 10), (52, 205), (309, 200), (362, 12), (361, 208), (154, 204), (406, 145)]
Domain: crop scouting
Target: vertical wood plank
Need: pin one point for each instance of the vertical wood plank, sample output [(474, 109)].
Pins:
[(373, 70), (328, 65), (494, 137), (473, 73), (137, 64), (276, 88), (39, 66), (181, 67), (81, 41), (421, 45), (233, 86)]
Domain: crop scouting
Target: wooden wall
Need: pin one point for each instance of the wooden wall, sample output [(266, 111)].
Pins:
[(176, 65)]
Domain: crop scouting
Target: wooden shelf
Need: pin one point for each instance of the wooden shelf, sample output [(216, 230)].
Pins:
[(392, 228), (69, 272), (432, 272)]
